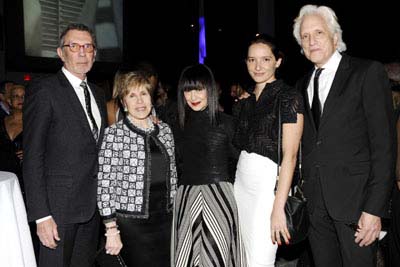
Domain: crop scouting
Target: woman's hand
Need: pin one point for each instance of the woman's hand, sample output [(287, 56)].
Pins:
[(113, 242), (244, 95), (278, 226)]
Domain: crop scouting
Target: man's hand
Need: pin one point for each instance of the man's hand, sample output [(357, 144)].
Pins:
[(48, 234), (20, 154), (370, 227)]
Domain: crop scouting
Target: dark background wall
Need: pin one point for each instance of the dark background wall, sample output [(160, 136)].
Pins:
[(165, 33), (370, 30)]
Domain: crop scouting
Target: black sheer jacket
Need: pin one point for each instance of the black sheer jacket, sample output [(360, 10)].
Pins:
[(257, 130), (204, 150)]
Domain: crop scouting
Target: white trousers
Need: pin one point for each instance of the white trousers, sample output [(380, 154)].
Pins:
[(254, 193)]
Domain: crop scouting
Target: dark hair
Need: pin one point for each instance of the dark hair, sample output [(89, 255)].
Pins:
[(147, 68), (270, 41), (3, 86), (79, 27), (197, 77)]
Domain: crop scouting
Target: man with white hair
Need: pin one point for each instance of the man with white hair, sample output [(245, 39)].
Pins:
[(348, 143)]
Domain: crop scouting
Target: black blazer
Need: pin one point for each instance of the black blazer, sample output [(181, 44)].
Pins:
[(60, 153), (353, 150)]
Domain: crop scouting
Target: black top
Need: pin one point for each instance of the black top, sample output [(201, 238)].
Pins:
[(257, 131), (8, 160), (204, 150), (159, 172)]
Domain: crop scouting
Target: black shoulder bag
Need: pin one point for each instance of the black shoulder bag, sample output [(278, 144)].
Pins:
[(297, 220)]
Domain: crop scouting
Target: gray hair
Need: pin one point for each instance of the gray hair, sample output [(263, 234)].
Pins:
[(79, 27), (328, 15)]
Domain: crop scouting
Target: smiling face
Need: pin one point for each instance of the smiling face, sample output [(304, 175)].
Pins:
[(138, 103), (196, 99), (78, 63), (317, 41), (261, 63)]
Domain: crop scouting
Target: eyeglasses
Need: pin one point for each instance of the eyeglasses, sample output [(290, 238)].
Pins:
[(74, 47)]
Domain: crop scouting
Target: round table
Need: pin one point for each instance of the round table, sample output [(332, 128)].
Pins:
[(16, 248)]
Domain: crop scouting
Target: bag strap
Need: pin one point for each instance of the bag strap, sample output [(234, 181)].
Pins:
[(300, 158)]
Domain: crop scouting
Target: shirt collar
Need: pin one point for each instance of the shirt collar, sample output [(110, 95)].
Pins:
[(333, 62), (73, 80)]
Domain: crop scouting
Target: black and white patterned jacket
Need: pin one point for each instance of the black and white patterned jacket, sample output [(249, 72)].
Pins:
[(124, 169)]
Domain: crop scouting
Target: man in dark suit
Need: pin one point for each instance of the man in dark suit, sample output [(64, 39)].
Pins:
[(64, 119), (348, 143)]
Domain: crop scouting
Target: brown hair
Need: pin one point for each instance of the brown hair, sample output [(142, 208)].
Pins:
[(131, 79)]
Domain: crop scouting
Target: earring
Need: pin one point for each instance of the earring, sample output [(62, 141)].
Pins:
[(125, 109)]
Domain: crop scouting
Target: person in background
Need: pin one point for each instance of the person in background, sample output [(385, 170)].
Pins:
[(348, 143), (5, 87), (11, 154), (150, 72), (393, 71), (205, 229), (166, 104), (393, 239), (237, 93), (114, 106), (137, 179), (64, 119), (261, 211), (161, 95)]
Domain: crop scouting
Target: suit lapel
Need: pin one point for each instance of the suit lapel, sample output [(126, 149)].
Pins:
[(336, 90), (75, 105)]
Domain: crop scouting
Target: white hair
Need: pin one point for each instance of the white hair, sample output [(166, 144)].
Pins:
[(329, 17)]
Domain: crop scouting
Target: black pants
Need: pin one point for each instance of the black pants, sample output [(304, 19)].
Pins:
[(394, 231), (76, 248), (333, 242)]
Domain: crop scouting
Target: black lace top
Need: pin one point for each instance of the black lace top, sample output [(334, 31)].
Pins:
[(8, 160), (257, 131), (204, 150)]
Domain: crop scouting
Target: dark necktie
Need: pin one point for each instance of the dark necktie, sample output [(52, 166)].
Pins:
[(95, 129), (316, 103)]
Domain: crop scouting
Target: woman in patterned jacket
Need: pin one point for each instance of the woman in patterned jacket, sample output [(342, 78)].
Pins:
[(137, 180)]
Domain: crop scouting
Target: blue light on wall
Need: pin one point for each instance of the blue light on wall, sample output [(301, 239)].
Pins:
[(202, 40)]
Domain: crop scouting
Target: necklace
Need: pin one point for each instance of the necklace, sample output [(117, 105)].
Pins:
[(148, 129)]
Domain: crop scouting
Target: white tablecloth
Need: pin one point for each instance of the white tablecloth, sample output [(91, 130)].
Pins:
[(16, 248)]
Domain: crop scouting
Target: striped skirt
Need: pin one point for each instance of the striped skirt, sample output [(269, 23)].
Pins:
[(205, 229)]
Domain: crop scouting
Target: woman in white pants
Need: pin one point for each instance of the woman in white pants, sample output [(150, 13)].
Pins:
[(261, 211)]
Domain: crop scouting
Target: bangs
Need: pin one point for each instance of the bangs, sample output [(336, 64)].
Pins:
[(193, 85), (133, 80)]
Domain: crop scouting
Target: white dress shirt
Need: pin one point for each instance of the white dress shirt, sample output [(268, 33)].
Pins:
[(76, 82), (325, 79)]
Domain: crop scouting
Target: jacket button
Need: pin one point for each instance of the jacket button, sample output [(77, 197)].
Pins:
[(319, 142)]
